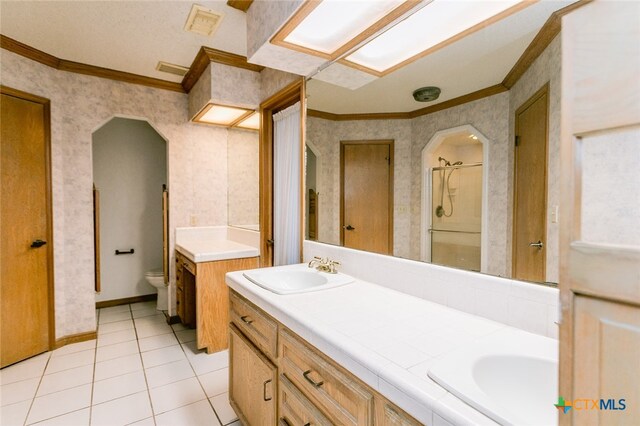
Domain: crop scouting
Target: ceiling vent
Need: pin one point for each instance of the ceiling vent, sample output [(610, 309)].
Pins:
[(172, 68), (203, 21)]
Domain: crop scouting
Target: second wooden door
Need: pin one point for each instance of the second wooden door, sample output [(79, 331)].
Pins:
[(367, 195)]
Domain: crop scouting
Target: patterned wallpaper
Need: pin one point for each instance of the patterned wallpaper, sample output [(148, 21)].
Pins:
[(80, 105), (243, 177)]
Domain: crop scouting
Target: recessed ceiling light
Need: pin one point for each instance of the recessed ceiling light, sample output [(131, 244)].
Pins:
[(203, 21), (434, 26), (329, 28), (221, 115), (252, 122)]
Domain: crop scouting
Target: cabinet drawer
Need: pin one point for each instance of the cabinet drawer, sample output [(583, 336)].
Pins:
[(295, 408), (261, 329), (342, 399), (188, 265), (388, 414)]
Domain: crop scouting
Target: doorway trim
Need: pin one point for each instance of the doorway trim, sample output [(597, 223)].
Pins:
[(425, 196), (46, 104), (289, 95), (391, 144)]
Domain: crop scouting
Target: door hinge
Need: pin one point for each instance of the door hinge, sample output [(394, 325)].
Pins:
[(517, 140)]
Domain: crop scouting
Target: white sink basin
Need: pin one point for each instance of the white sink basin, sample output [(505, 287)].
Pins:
[(298, 279), (512, 377)]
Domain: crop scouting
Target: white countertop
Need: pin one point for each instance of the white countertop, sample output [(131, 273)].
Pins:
[(386, 338), (202, 250)]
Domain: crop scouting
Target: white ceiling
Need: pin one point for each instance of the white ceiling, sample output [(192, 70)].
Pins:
[(127, 36), (475, 62)]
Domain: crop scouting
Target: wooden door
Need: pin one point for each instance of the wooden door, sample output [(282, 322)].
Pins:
[(530, 189), (26, 290), (600, 219), (366, 219), (252, 382)]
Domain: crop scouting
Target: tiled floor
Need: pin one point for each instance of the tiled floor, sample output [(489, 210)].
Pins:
[(139, 371)]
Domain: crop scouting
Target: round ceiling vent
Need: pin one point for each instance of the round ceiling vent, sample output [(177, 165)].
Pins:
[(426, 94)]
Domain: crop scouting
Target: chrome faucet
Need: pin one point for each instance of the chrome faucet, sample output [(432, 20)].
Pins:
[(324, 265)]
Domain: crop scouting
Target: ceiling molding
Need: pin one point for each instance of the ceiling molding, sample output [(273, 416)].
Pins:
[(470, 97), (205, 56), (242, 5), (541, 41), (34, 54)]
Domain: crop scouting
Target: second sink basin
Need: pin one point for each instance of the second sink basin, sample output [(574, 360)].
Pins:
[(289, 280)]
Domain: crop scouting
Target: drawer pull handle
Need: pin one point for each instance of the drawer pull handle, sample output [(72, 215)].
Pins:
[(246, 319), (264, 390), (310, 380)]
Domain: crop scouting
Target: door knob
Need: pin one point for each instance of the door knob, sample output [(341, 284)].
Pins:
[(538, 244), (38, 243), (349, 228)]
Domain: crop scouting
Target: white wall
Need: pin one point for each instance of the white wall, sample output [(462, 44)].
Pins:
[(243, 177), (129, 169)]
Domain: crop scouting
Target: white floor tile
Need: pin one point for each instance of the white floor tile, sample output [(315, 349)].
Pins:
[(116, 337), (185, 336), (198, 414), (115, 326), (179, 327), (19, 391), (66, 379), (174, 395), (114, 309), (223, 408), (149, 421), (168, 373), (65, 362), (73, 348), (117, 367), (122, 411), (152, 329), (56, 404), (14, 414), (203, 363), (146, 312), (216, 382), (107, 317), (75, 418), (162, 356), (143, 305), (27, 369), (158, 319), (117, 350), (157, 342), (119, 386)]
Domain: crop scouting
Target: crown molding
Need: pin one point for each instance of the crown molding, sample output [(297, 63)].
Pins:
[(242, 5), (44, 58), (205, 56)]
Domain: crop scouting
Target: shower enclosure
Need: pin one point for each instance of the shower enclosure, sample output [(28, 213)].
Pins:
[(456, 214)]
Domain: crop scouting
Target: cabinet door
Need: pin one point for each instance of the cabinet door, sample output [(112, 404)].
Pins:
[(252, 382)]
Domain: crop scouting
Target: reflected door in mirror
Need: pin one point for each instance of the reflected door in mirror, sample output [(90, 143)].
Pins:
[(530, 218), (367, 195)]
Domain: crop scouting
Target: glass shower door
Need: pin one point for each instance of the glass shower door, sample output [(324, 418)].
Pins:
[(456, 216)]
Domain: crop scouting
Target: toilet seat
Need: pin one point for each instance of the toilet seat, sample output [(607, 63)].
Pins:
[(155, 273)]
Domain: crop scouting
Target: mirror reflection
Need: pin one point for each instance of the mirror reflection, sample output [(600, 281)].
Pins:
[(444, 181), (243, 179)]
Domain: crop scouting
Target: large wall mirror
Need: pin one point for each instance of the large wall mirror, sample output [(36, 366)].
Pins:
[(243, 179), (469, 180)]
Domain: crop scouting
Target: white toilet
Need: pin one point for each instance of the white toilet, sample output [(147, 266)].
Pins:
[(156, 279)]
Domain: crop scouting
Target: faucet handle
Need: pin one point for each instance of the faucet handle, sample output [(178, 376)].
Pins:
[(332, 266)]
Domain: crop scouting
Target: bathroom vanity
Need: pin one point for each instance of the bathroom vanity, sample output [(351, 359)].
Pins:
[(362, 354), (202, 258)]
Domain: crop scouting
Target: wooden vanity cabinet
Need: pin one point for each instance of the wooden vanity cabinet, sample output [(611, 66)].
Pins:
[(311, 389), (252, 382), (202, 298)]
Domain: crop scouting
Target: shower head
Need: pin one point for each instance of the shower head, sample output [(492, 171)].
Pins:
[(446, 162), (457, 163)]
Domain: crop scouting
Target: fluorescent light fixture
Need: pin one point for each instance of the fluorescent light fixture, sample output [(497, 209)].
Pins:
[(252, 122), (221, 115), (435, 25), (329, 28)]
